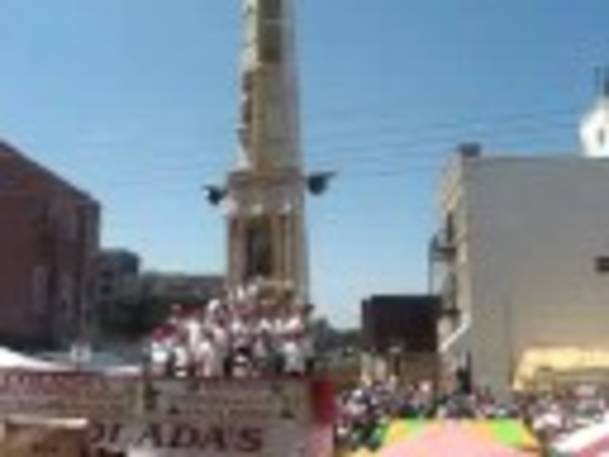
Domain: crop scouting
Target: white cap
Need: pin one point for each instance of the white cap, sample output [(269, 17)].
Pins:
[(214, 305)]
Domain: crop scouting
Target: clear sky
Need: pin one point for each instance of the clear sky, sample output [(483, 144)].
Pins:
[(136, 100)]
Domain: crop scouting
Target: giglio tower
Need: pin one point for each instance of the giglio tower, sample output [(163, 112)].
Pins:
[(264, 195)]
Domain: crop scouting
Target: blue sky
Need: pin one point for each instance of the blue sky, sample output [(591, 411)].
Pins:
[(136, 100)]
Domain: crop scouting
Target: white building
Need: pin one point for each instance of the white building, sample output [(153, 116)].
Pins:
[(594, 129), (524, 253)]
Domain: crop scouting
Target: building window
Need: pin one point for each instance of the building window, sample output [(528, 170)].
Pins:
[(71, 226), (7, 181), (107, 275), (39, 212), (602, 264), (105, 289), (39, 289), (67, 290)]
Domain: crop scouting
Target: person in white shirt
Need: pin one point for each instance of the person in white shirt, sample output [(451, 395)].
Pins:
[(293, 356), (263, 341), (244, 326), (159, 354), (221, 338), (176, 316), (241, 333), (308, 341), (292, 330), (193, 328), (213, 307), (182, 357), (278, 318), (209, 364)]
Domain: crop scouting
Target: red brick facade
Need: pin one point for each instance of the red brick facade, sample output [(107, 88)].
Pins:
[(49, 238)]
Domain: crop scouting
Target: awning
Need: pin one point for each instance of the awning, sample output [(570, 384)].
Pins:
[(555, 363)]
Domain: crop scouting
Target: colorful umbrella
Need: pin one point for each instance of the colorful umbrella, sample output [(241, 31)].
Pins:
[(450, 439), (509, 432), (362, 453), (399, 430), (506, 433)]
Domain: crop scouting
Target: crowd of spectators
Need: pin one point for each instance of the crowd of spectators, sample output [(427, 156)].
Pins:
[(554, 415), (241, 338), (549, 416)]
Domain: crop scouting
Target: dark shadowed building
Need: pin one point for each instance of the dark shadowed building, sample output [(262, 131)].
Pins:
[(400, 335), (117, 273), (49, 237)]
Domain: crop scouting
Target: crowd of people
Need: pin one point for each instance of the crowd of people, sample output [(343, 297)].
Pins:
[(244, 338), (365, 409), (554, 415), (549, 416)]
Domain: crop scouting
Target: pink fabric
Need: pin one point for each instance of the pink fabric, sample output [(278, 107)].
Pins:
[(452, 440), (597, 449)]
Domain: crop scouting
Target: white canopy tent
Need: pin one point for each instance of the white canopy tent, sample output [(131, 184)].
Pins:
[(10, 359)]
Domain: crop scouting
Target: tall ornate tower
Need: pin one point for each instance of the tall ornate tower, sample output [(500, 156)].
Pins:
[(265, 191)]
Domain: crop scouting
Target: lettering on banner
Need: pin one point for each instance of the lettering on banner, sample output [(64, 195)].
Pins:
[(220, 439), (169, 417)]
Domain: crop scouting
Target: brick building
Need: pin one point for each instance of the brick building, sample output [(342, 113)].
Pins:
[(49, 237)]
